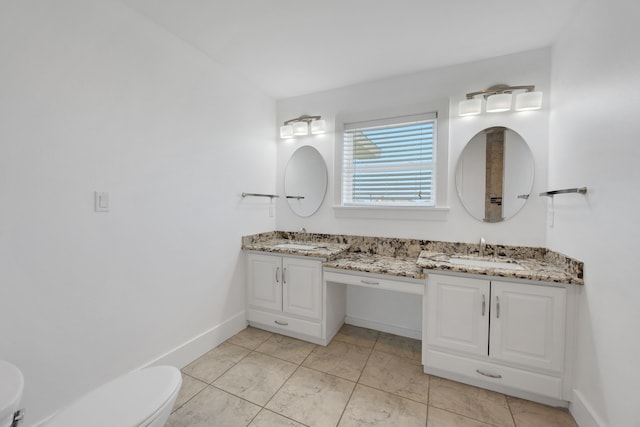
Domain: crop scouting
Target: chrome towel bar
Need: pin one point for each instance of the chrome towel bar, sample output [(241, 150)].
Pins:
[(271, 196), (581, 190)]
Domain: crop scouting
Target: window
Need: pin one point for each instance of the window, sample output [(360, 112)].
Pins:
[(390, 162)]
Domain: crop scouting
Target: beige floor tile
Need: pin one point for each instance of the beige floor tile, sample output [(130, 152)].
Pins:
[(267, 418), (396, 375), (441, 418), (399, 346), (531, 414), (477, 403), (356, 335), (250, 338), (190, 387), (312, 398), (339, 358), (213, 407), (371, 407), (215, 362), (286, 348), (256, 378)]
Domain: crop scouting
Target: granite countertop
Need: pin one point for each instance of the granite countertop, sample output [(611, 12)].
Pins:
[(324, 250), (409, 257), (380, 264), (533, 269)]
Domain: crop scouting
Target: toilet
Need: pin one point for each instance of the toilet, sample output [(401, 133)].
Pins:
[(140, 399), (143, 398), (11, 388)]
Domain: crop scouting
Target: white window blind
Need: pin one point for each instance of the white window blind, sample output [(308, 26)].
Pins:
[(390, 162)]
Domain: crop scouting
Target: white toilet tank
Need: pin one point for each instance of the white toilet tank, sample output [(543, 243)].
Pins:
[(140, 399)]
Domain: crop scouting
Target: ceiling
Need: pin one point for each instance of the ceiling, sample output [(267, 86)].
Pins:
[(294, 47)]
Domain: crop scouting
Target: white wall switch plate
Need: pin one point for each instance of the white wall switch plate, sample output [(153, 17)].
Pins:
[(101, 201)]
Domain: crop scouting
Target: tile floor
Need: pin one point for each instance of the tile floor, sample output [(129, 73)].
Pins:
[(362, 378)]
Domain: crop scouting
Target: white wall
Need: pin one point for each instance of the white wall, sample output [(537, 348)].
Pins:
[(594, 142), (95, 97), (440, 89)]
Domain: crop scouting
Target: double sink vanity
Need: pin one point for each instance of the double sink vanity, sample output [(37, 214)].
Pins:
[(504, 321)]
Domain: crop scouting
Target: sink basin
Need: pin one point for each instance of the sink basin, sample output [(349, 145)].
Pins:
[(295, 246), (486, 263)]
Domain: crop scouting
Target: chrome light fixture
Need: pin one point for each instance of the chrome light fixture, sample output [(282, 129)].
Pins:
[(499, 98), (301, 125)]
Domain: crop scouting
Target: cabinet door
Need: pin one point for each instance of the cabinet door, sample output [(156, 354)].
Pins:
[(458, 313), (264, 275), (302, 287), (528, 325)]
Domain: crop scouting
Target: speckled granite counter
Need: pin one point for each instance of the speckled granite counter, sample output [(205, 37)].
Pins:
[(379, 264), (533, 269), (324, 250), (408, 257)]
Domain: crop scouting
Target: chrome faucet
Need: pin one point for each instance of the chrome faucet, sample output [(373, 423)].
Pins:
[(482, 247), (303, 231)]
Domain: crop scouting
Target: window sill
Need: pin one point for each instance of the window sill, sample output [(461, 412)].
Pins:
[(415, 213)]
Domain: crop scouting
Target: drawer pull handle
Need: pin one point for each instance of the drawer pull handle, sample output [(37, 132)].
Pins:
[(368, 282), (486, 374), (277, 274), (497, 307), (281, 323), (484, 304)]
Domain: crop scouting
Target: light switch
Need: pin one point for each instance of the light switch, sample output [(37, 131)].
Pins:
[(101, 201)]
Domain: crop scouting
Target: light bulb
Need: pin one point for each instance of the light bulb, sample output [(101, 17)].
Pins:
[(286, 131), (318, 126), (529, 101), (470, 107), (499, 102), (300, 128)]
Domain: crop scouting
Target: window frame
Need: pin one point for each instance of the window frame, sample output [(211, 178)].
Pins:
[(437, 212), (393, 122)]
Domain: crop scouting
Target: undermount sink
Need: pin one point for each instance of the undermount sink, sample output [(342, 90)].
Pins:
[(486, 263), (296, 246)]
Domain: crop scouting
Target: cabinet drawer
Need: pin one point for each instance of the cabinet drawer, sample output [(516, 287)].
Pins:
[(376, 282), (285, 323), (533, 382)]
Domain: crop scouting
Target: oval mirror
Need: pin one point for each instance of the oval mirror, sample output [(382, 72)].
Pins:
[(305, 181), (494, 175)]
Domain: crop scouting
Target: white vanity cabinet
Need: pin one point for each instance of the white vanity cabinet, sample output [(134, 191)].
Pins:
[(284, 294), (493, 332)]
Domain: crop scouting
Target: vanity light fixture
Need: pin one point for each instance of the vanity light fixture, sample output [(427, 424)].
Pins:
[(499, 99), (301, 125)]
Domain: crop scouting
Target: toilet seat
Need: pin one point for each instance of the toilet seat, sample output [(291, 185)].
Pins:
[(133, 400)]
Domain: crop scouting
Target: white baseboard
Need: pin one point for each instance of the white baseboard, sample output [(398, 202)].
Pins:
[(391, 329), (185, 353), (583, 412)]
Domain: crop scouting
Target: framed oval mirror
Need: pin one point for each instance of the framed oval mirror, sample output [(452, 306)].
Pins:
[(305, 181), (494, 175)]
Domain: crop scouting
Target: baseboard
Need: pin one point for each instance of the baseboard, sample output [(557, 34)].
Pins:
[(391, 329), (583, 412), (185, 353)]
